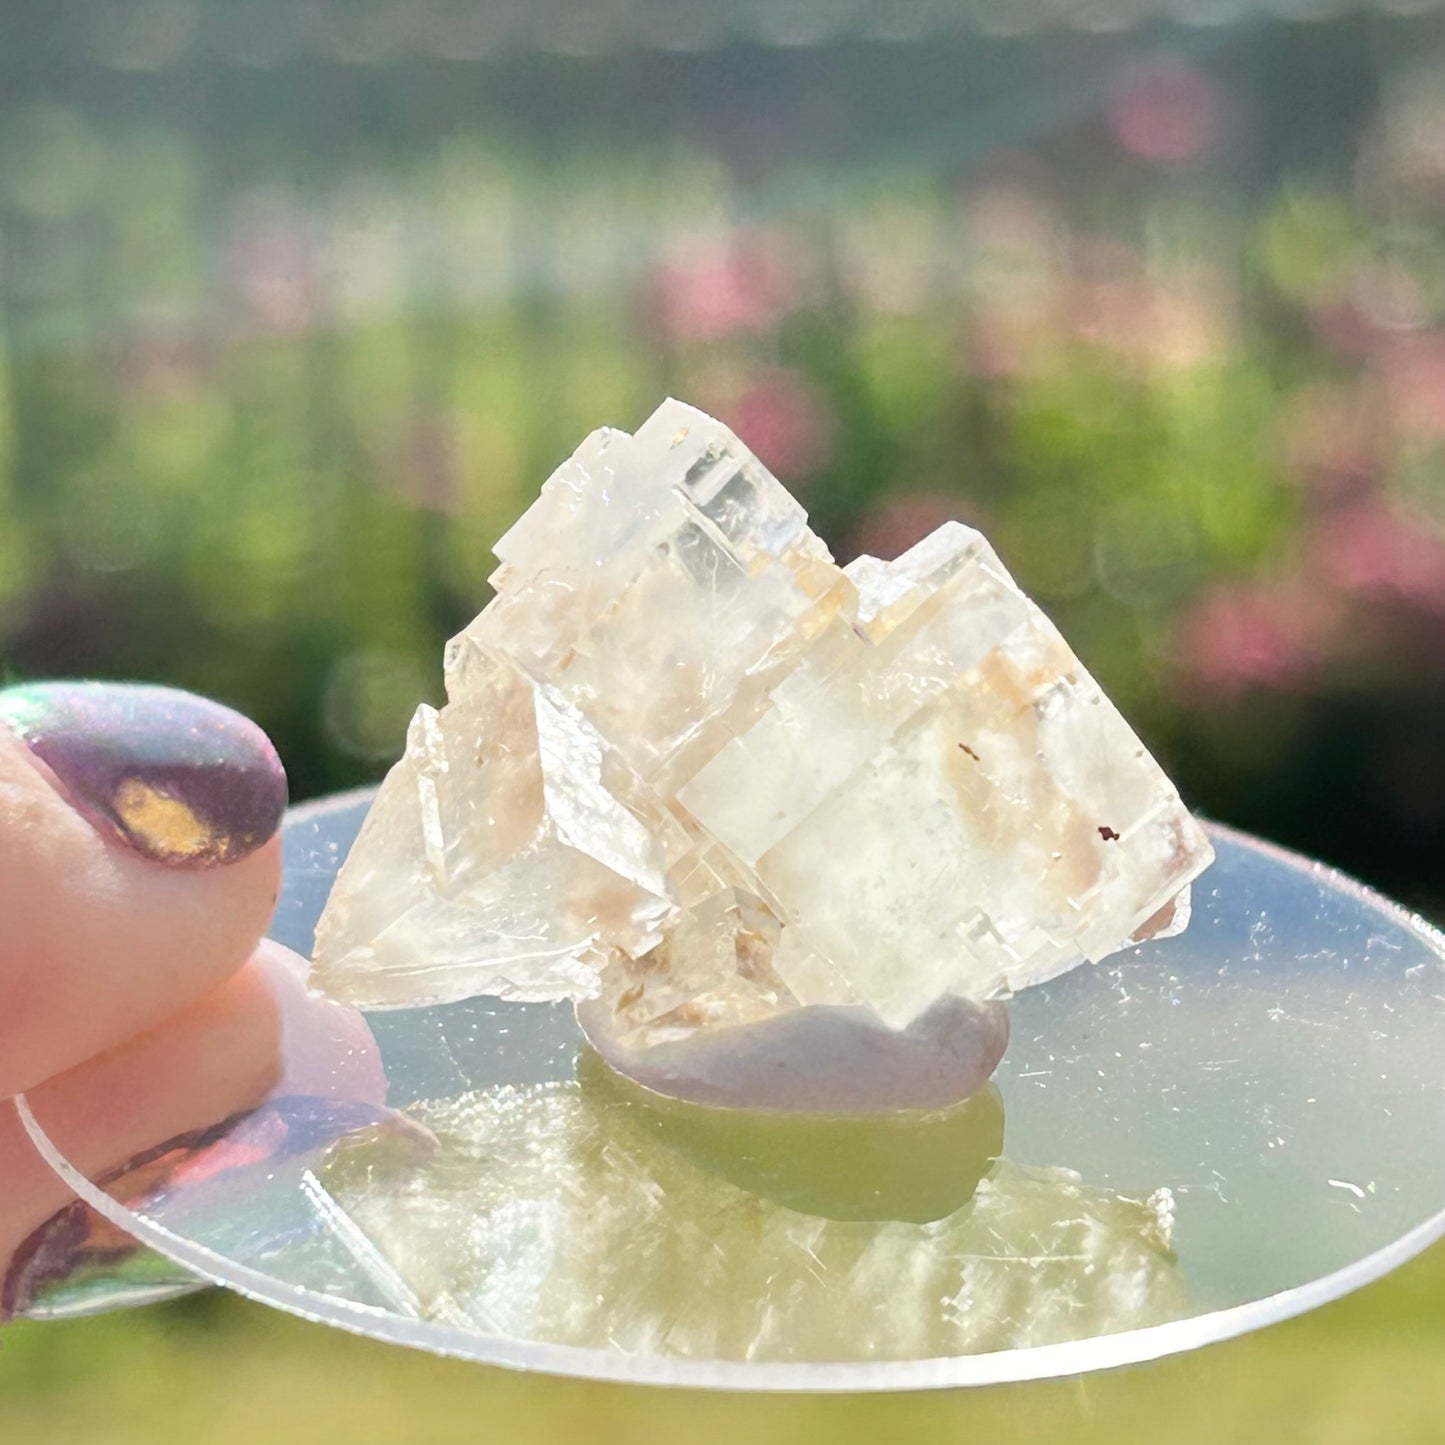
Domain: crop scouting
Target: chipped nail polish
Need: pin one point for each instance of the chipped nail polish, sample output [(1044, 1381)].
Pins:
[(175, 777)]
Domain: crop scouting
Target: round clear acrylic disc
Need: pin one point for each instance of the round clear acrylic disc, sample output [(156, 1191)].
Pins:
[(1191, 1140)]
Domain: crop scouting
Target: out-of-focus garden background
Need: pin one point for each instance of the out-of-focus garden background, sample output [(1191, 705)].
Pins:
[(300, 302)]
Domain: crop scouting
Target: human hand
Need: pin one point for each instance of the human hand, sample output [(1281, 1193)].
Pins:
[(140, 862)]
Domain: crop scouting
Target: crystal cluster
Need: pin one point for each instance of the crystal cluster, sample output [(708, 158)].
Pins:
[(692, 769)]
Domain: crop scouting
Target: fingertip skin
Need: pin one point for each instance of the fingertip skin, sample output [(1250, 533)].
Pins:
[(176, 778), (99, 942), (327, 1048), (256, 1069), (218, 1056)]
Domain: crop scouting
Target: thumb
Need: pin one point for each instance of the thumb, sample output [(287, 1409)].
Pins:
[(139, 863)]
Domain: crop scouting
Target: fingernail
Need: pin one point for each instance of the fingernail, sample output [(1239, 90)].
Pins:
[(174, 777)]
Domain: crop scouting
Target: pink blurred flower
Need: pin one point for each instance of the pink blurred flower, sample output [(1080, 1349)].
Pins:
[(1240, 636), (1413, 367), (1016, 243), (1327, 435), (1164, 109), (718, 285), (1007, 342), (1376, 552), (1341, 327), (1012, 219), (272, 269), (1155, 324), (784, 419), (893, 526)]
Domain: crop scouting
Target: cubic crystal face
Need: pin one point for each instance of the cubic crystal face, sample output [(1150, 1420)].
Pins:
[(690, 765)]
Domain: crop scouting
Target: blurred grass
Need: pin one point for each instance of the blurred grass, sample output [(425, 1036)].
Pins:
[(223, 1371)]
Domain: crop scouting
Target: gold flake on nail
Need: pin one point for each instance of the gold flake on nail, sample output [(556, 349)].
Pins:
[(165, 826)]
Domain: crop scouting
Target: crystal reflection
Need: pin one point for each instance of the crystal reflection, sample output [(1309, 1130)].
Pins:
[(588, 1213)]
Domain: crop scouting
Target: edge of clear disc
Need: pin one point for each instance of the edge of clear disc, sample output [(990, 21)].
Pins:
[(1028, 1363)]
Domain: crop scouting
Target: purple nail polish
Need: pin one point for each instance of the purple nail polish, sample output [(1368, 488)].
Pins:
[(177, 778)]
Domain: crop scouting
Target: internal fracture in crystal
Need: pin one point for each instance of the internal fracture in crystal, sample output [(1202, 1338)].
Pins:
[(693, 770)]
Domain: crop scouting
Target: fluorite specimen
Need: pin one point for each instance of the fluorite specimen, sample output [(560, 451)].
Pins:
[(695, 771)]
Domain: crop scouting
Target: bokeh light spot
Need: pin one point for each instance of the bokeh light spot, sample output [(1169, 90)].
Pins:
[(1164, 109)]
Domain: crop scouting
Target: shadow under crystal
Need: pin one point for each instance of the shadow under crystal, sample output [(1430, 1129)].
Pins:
[(913, 1165)]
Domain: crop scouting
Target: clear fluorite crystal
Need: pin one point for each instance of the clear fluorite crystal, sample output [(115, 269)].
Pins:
[(692, 769)]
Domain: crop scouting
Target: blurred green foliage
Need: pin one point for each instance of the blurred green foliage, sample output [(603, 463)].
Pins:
[(290, 340)]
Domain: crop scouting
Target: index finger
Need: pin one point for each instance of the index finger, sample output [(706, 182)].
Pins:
[(99, 941)]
